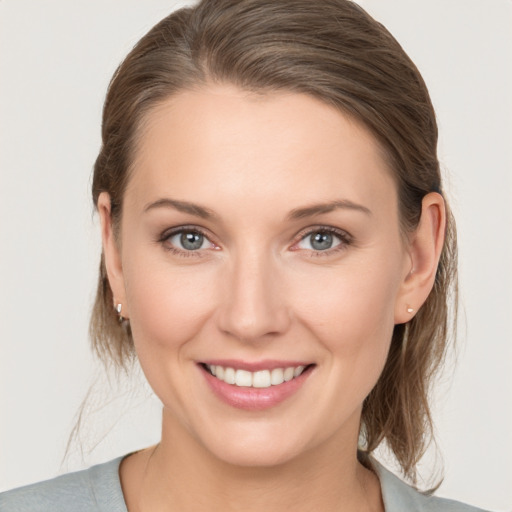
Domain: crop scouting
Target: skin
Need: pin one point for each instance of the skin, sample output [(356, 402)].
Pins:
[(257, 290)]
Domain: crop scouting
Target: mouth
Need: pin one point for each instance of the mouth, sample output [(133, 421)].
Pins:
[(264, 378), (255, 387)]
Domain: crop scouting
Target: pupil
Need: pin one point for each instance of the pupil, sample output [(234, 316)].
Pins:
[(191, 241), (321, 241)]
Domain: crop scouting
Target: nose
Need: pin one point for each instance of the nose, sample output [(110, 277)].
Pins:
[(253, 305)]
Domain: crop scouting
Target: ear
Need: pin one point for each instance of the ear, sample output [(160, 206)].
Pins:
[(425, 246), (112, 254)]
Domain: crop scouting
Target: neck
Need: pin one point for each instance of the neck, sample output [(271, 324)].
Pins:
[(180, 474)]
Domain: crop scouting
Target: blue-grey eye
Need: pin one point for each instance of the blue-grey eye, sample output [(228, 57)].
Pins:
[(319, 241), (189, 241)]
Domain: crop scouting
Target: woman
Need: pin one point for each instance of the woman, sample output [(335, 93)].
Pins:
[(278, 254)]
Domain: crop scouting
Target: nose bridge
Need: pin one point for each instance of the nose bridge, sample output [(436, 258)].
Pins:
[(253, 303)]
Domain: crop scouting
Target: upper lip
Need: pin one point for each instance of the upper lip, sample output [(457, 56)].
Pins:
[(254, 366)]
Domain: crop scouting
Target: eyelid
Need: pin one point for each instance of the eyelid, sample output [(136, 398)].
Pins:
[(345, 237), (170, 232)]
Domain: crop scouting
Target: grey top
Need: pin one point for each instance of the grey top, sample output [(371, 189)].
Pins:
[(98, 489)]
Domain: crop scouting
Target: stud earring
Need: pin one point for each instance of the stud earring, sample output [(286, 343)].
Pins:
[(119, 308), (410, 310)]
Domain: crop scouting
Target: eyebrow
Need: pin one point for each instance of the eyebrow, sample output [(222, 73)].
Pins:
[(295, 214), (316, 209), (182, 206)]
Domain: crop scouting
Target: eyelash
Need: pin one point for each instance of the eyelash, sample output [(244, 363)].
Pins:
[(345, 240), (344, 237), (167, 235)]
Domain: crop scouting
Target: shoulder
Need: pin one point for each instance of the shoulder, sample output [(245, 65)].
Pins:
[(95, 489), (400, 497)]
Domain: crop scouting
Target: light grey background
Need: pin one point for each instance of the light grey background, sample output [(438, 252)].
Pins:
[(56, 58)]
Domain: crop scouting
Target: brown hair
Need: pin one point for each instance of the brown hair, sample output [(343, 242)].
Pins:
[(332, 50)]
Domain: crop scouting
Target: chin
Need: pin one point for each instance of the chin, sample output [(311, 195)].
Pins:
[(260, 443), (254, 455)]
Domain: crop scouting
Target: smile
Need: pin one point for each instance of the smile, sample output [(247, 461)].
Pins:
[(255, 386), (258, 379)]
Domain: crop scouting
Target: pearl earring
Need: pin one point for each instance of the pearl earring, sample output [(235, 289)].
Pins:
[(410, 310), (119, 308)]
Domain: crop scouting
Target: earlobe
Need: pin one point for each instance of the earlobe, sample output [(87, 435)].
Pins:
[(425, 247), (112, 254)]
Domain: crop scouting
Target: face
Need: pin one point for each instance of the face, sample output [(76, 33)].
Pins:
[(260, 242)]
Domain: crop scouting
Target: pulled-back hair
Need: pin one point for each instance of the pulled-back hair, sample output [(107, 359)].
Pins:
[(334, 51)]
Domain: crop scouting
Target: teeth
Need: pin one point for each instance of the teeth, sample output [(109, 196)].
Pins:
[(288, 374), (229, 375), (297, 371), (259, 379), (243, 378), (277, 377)]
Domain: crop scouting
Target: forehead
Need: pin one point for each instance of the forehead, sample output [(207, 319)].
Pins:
[(221, 142)]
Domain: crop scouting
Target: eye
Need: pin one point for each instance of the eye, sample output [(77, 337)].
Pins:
[(319, 241), (323, 240), (189, 240), (186, 241)]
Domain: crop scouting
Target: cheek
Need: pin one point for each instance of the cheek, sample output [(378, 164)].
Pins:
[(168, 308), (352, 317), (351, 311), (168, 305)]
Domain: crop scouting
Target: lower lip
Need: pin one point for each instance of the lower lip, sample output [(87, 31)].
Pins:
[(254, 399)]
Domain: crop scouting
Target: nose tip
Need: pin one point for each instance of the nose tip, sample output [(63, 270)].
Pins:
[(253, 306)]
